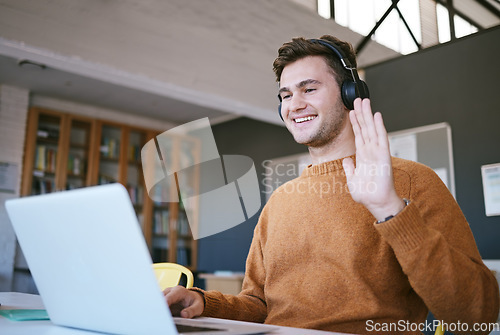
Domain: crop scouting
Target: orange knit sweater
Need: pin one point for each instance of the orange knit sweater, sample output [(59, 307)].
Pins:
[(318, 259)]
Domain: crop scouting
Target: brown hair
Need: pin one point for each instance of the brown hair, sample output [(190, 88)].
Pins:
[(300, 48)]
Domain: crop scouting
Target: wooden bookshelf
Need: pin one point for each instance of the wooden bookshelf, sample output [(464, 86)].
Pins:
[(58, 151), (65, 151), (172, 238)]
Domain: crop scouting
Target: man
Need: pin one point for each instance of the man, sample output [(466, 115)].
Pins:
[(360, 242)]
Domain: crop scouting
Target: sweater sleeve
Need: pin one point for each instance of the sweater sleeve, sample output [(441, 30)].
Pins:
[(249, 304), (436, 250)]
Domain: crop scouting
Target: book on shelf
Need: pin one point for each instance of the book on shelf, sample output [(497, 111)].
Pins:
[(160, 222), (110, 147), (74, 165), (184, 256), (160, 242), (136, 194), (40, 157), (105, 179), (160, 193), (183, 225), (45, 158), (43, 186), (72, 186), (134, 153), (160, 255)]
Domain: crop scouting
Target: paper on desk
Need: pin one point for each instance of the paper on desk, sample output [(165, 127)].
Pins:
[(24, 314)]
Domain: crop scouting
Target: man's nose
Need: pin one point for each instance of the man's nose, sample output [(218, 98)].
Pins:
[(297, 103)]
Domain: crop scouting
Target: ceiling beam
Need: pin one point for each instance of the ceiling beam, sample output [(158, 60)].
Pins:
[(368, 37), (408, 28), (492, 9), (451, 20)]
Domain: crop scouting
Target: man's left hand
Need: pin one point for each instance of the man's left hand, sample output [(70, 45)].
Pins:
[(371, 181)]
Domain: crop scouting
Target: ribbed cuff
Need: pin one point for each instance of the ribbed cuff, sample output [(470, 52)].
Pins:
[(404, 231), (199, 290), (211, 303)]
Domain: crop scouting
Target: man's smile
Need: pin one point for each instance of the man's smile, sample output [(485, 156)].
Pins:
[(305, 118)]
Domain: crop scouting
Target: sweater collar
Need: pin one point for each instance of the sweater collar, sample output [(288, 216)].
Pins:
[(326, 167)]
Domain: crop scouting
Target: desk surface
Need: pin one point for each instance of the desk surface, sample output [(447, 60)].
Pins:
[(13, 300)]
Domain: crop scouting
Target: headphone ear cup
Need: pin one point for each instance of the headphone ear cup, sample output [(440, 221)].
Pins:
[(363, 90), (350, 93)]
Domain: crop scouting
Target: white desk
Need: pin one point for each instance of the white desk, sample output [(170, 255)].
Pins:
[(12, 300)]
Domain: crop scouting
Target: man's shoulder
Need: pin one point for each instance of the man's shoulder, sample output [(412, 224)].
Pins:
[(410, 167), (413, 173)]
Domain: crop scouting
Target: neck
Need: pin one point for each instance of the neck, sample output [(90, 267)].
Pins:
[(341, 146)]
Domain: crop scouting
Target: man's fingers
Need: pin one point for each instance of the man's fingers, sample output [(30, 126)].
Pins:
[(364, 117), (360, 119), (363, 123), (184, 302), (191, 311), (370, 131), (174, 295), (358, 138), (383, 139), (357, 103)]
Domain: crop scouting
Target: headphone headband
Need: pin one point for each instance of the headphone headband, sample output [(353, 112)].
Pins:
[(336, 50), (350, 89)]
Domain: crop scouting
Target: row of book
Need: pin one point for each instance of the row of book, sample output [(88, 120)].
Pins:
[(136, 194), (105, 179), (75, 165), (183, 225), (47, 185), (134, 153), (45, 158), (110, 147), (43, 186), (160, 221), (183, 255)]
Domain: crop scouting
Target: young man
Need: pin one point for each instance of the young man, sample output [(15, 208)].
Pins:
[(360, 242)]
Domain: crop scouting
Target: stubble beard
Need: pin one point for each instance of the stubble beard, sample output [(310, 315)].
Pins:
[(327, 132)]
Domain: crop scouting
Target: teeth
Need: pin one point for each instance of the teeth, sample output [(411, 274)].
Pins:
[(303, 119)]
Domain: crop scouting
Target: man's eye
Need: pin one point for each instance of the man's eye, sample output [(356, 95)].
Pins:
[(308, 90), (286, 96)]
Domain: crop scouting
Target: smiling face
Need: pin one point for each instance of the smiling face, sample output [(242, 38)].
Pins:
[(311, 104)]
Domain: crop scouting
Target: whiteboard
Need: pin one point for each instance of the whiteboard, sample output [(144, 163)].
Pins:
[(430, 145)]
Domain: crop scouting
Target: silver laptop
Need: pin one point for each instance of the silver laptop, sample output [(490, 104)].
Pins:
[(91, 265)]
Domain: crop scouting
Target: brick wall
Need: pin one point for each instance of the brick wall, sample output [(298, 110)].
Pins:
[(13, 113)]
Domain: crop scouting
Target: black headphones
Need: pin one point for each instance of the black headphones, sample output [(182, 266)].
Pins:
[(350, 89)]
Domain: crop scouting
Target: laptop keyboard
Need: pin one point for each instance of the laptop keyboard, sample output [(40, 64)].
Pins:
[(193, 329)]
